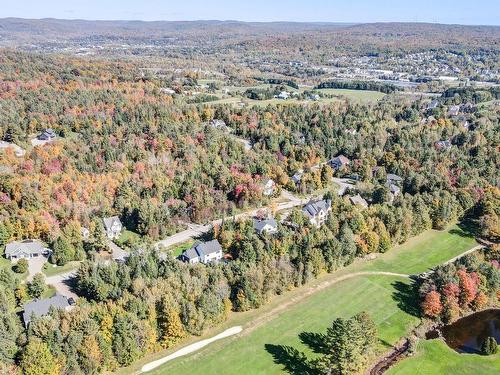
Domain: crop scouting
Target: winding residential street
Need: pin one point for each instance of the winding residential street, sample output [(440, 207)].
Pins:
[(195, 230)]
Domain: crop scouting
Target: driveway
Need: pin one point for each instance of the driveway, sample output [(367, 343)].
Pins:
[(344, 185), (62, 284), (118, 252), (35, 265)]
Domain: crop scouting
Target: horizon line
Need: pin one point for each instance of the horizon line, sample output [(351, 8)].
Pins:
[(352, 23)]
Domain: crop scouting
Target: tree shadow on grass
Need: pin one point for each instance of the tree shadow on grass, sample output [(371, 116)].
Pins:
[(293, 361), (315, 341), (406, 295)]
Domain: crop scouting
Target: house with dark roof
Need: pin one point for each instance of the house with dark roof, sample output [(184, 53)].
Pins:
[(203, 252), (267, 226), (41, 307), (47, 135), (339, 162), (317, 212), (25, 249), (113, 227)]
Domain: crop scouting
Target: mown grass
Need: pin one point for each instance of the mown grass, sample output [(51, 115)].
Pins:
[(388, 299), (50, 269), (435, 357)]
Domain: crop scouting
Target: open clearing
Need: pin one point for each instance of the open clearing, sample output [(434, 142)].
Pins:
[(258, 349), (435, 357)]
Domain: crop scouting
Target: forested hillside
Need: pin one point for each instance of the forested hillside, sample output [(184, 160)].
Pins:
[(126, 148)]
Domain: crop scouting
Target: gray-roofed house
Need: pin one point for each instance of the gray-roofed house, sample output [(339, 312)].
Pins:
[(267, 226), (339, 162), (317, 212), (394, 190), (219, 124), (203, 252), (113, 227), (41, 307), (25, 249), (453, 110), (358, 200), (433, 104), (394, 178)]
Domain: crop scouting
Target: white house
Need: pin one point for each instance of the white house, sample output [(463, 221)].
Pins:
[(317, 212), (203, 252), (113, 227), (284, 95), (25, 249), (268, 226), (268, 187)]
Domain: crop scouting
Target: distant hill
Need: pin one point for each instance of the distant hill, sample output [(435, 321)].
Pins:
[(17, 32)]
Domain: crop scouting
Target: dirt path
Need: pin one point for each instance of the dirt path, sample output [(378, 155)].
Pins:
[(191, 348)]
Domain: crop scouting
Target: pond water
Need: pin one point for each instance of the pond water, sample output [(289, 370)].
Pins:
[(466, 335)]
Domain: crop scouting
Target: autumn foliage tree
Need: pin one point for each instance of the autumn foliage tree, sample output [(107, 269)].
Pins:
[(431, 305)]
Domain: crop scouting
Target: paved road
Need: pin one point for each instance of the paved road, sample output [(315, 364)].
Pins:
[(344, 185), (195, 230)]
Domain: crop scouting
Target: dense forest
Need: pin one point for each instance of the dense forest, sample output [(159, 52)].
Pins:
[(125, 148)]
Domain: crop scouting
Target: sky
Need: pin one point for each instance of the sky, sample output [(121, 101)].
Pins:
[(470, 12)]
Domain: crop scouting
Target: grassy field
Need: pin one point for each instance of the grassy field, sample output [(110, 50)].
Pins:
[(260, 348), (435, 357), (51, 270), (360, 95)]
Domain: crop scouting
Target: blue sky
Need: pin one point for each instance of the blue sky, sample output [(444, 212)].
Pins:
[(485, 12)]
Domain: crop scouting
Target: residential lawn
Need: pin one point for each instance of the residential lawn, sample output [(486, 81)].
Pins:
[(50, 269), (361, 95), (50, 292), (127, 237), (177, 250), (388, 299), (435, 357)]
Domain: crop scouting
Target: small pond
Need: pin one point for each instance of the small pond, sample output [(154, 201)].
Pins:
[(466, 335)]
